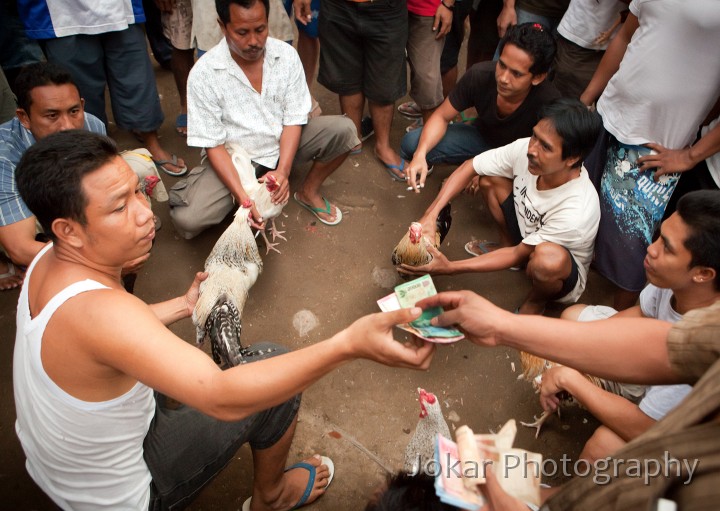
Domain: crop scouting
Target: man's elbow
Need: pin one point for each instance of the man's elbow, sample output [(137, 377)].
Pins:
[(23, 254)]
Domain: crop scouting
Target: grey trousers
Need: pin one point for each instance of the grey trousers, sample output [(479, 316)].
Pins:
[(202, 200)]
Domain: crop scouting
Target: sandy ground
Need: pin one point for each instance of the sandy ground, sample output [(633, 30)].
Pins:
[(337, 274)]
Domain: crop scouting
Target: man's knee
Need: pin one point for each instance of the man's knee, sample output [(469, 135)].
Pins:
[(602, 443), (409, 144), (549, 261), (573, 312)]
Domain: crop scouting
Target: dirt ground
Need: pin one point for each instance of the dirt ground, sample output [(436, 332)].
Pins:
[(337, 274)]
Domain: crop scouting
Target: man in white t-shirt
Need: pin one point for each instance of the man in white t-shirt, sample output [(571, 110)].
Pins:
[(543, 202), (682, 266)]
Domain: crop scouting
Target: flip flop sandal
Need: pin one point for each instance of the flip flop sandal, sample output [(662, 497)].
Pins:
[(11, 272), (180, 123), (409, 109), (315, 211), (389, 167), (174, 162), (324, 460)]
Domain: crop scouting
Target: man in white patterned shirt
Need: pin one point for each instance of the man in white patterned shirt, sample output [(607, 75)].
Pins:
[(251, 90)]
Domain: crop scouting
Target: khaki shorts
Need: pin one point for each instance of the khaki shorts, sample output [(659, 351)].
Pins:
[(424, 52), (202, 200)]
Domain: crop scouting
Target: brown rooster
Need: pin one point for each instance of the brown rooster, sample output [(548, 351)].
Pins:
[(533, 369), (412, 249), (421, 448)]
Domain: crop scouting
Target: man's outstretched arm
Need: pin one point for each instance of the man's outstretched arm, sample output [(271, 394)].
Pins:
[(632, 350)]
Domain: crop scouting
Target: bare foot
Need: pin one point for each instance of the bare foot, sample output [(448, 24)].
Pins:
[(294, 484), (10, 276)]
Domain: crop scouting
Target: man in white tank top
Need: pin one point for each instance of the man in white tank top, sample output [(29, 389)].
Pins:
[(88, 356)]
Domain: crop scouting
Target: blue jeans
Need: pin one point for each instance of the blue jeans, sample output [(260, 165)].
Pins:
[(185, 449), (460, 143)]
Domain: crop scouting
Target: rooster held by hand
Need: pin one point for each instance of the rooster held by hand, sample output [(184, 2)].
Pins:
[(412, 248)]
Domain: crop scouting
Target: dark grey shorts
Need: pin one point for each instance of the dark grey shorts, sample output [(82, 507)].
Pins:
[(362, 48), (185, 449)]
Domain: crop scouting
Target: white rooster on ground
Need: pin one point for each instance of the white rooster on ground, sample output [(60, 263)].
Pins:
[(421, 448)]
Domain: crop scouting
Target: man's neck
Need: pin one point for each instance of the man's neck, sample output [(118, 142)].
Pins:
[(557, 179), (508, 106), (694, 297)]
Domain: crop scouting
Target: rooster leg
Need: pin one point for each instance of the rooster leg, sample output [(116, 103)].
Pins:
[(269, 246), (538, 423), (274, 231)]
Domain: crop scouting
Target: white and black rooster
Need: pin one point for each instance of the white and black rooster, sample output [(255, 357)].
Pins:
[(233, 266), (421, 448)]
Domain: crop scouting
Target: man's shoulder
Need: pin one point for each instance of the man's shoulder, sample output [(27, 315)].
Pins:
[(93, 124), (15, 139)]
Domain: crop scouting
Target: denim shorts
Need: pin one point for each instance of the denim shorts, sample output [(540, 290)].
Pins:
[(184, 448)]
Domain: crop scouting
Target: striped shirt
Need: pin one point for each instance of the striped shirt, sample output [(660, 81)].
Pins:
[(15, 139)]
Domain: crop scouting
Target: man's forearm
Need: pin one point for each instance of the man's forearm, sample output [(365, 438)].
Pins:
[(610, 61), (225, 169), (623, 417), (170, 311), (289, 143), (632, 350)]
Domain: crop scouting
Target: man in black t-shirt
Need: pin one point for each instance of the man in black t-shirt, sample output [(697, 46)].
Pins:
[(507, 95)]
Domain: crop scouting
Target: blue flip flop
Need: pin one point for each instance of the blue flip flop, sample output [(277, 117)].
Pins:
[(389, 167), (181, 122), (324, 460)]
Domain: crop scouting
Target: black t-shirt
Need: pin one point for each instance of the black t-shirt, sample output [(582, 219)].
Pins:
[(477, 88)]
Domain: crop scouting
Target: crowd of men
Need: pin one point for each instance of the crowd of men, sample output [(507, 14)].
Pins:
[(589, 145)]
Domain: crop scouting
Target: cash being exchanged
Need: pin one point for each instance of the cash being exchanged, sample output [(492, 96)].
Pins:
[(407, 295)]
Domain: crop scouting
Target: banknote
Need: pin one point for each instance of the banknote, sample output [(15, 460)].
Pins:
[(409, 293), (390, 303)]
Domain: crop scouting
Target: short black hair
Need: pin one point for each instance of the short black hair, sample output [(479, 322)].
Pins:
[(223, 8), (39, 75), (534, 39), (404, 492), (700, 210), (578, 127), (50, 173)]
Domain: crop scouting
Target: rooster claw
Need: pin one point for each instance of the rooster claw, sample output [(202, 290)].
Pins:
[(538, 423)]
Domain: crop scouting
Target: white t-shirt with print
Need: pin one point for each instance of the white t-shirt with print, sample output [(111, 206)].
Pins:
[(567, 215)]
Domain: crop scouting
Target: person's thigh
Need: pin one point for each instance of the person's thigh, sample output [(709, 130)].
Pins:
[(424, 52), (184, 448), (454, 38), (341, 48), (460, 143), (384, 34), (325, 138), (131, 81), (83, 57), (199, 201)]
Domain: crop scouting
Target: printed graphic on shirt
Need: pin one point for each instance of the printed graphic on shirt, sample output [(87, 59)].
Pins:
[(629, 195)]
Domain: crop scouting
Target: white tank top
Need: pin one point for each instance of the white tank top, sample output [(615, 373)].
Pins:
[(84, 455)]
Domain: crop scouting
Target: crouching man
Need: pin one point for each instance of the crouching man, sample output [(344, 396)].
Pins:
[(250, 90), (84, 376), (542, 201)]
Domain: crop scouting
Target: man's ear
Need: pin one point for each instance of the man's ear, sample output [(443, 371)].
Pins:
[(573, 162), (538, 79), (68, 231), (24, 118), (222, 26), (704, 274)]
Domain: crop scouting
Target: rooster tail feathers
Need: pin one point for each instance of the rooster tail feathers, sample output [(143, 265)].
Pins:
[(443, 222), (224, 327), (532, 366)]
